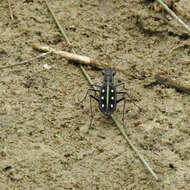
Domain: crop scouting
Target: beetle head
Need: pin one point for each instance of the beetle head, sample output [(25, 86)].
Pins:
[(108, 75), (110, 72)]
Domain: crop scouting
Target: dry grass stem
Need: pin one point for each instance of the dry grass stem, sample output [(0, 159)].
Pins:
[(25, 62), (184, 44), (121, 129), (70, 56), (79, 58), (167, 81), (174, 15)]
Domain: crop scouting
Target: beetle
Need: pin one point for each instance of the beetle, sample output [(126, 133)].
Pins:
[(106, 94)]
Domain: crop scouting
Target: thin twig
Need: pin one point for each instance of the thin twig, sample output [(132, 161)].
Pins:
[(10, 9), (174, 15), (164, 79), (134, 148), (80, 58), (184, 44), (67, 40), (71, 56), (113, 118), (26, 61)]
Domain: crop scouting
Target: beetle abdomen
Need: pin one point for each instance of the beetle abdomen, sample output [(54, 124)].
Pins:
[(107, 99)]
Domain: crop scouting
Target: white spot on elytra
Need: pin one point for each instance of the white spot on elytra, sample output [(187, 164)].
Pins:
[(112, 98), (112, 90), (103, 90), (103, 105), (111, 105), (102, 97), (46, 66)]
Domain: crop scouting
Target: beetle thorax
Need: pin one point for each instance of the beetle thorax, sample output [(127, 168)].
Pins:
[(108, 79)]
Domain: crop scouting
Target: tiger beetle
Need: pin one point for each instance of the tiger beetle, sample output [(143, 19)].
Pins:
[(106, 94)]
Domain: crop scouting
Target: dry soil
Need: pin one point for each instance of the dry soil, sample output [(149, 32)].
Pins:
[(44, 138)]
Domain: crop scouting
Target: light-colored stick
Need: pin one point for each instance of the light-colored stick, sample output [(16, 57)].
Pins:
[(71, 56), (80, 58), (174, 15)]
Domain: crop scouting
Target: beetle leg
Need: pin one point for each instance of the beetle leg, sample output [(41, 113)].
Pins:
[(126, 93), (124, 102), (95, 98), (121, 84), (121, 99), (92, 116), (92, 89), (123, 93), (96, 85)]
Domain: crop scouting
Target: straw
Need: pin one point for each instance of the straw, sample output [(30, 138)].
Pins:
[(174, 15), (26, 61)]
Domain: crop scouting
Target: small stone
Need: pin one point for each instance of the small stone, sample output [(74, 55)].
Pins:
[(20, 131)]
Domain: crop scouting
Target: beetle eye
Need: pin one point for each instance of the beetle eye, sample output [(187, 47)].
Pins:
[(103, 72)]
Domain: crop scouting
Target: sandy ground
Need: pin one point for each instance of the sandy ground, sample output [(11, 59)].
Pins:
[(44, 142)]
